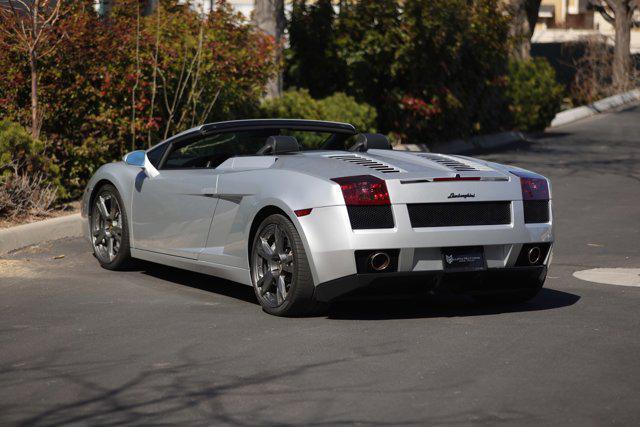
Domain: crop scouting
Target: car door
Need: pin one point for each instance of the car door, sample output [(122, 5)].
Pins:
[(172, 212)]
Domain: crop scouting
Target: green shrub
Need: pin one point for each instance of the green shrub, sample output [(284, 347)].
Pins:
[(433, 69), (299, 104), (293, 104), (535, 95), (340, 107), (22, 155)]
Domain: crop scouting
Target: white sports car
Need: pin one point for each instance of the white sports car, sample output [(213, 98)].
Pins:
[(309, 211)]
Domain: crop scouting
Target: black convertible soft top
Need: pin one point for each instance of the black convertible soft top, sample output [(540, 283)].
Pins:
[(292, 124)]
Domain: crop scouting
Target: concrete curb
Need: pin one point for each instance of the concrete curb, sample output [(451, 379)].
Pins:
[(25, 235), (468, 146), (601, 106)]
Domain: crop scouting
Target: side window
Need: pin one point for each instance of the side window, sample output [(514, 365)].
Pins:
[(212, 150), (156, 153)]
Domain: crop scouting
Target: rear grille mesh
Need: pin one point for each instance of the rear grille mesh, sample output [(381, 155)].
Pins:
[(459, 214), (536, 211), (367, 163), (370, 217)]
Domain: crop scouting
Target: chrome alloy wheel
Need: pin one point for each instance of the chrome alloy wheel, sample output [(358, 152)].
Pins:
[(106, 227), (273, 265)]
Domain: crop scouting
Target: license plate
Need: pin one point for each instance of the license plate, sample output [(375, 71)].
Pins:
[(469, 258)]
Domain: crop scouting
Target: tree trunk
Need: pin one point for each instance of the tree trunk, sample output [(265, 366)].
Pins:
[(622, 49), (268, 15), (524, 15), (35, 119)]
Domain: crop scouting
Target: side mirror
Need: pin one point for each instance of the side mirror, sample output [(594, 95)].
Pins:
[(139, 159)]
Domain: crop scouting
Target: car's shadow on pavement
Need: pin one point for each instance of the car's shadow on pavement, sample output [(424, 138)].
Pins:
[(444, 306), (372, 309), (199, 281)]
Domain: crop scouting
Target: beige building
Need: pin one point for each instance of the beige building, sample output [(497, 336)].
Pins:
[(571, 20), (571, 14), (566, 14)]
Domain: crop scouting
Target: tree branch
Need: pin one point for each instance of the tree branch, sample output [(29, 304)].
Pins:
[(603, 11)]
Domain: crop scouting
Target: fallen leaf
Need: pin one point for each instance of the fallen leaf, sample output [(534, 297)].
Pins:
[(58, 257)]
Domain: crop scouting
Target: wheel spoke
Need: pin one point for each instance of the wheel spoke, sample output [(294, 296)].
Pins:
[(113, 212), (102, 207), (264, 250), (265, 282), (286, 258), (110, 248), (279, 240), (282, 290)]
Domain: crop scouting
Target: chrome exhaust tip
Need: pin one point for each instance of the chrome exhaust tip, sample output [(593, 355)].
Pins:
[(379, 261), (534, 255)]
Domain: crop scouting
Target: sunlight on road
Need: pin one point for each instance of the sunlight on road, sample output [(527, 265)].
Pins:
[(611, 276)]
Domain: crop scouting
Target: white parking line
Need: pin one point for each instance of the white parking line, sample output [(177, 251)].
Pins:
[(611, 276)]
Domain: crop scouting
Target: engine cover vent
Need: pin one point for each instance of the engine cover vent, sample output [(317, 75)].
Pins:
[(367, 163), (451, 163)]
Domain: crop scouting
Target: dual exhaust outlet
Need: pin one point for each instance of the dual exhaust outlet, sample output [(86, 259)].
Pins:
[(534, 254), (379, 261)]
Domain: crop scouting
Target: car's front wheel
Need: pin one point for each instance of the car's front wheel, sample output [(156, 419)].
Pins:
[(280, 270), (109, 229)]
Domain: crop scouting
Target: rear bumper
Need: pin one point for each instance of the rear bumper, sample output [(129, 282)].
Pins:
[(331, 242), (491, 281)]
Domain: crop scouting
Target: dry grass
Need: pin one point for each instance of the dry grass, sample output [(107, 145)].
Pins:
[(66, 209), (24, 195), (594, 71)]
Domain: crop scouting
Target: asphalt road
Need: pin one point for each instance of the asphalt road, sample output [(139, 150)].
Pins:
[(79, 344)]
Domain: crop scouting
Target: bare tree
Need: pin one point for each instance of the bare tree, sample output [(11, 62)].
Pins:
[(154, 74), (524, 14), (137, 79), (184, 93), (30, 25), (268, 15), (619, 13)]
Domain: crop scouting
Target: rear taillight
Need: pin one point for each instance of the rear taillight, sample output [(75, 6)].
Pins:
[(363, 190), (533, 186)]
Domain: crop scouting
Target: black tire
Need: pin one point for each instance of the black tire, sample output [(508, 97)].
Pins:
[(122, 258), (299, 298)]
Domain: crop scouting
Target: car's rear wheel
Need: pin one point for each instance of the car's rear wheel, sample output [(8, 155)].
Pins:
[(110, 229), (280, 270)]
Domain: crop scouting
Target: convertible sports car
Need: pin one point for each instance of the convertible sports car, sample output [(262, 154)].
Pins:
[(309, 211)]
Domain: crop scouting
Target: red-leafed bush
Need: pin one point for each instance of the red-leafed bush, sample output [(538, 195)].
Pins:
[(125, 82)]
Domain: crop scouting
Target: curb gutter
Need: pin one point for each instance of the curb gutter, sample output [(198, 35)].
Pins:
[(503, 139), (601, 106), (25, 235)]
